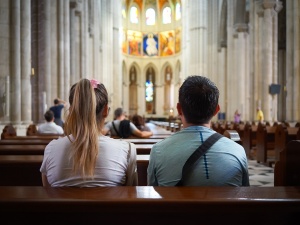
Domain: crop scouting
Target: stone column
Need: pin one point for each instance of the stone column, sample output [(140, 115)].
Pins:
[(268, 57), (198, 34), (15, 69), (257, 88), (61, 59), (290, 99), (275, 79), (231, 62), (117, 69), (26, 62), (47, 48), (240, 73), (73, 5), (296, 72), (267, 64), (222, 72), (66, 26)]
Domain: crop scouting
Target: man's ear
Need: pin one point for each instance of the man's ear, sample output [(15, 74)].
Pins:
[(217, 109), (179, 110)]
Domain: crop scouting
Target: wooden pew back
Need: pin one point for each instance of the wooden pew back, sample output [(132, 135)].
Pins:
[(287, 169), (283, 136), (265, 141), (150, 205), (24, 170)]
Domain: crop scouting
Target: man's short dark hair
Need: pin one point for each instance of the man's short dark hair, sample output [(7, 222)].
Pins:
[(56, 101), (49, 115), (198, 97), (118, 112)]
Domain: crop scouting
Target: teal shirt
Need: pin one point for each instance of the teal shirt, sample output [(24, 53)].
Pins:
[(224, 164)]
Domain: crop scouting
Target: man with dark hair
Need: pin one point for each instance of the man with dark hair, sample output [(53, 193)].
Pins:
[(120, 127), (50, 127), (59, 104), (225, 162)]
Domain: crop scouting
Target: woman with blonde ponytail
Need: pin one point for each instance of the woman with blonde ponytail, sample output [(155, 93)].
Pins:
[(85, 157)]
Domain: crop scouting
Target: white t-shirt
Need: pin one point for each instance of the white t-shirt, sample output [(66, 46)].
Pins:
[(115, 165), (50, 128)]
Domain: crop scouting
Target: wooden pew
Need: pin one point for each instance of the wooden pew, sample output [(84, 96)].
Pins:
[(9, 132), (249, 138), (265, 143), (233, 135), (283, 135), (155, 136), (25, 142), (150, 205), (22, 149), (287, 169), (19, 149), (21, 170), (144, 140), (33, 137), (24, 170)]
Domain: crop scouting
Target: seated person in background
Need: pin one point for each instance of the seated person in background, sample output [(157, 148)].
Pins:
[(224, 164), (85, 157), (49, 127), (114, 127), (139, 122)]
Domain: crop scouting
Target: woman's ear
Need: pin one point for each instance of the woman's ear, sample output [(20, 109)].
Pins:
[(217, 109), (105, 111)]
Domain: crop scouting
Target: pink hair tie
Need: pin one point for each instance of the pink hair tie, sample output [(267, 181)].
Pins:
[(94, 83)]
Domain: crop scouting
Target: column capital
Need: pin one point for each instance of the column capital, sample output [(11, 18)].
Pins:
[(268, 4), (240, 27), (278, 6), (262, 5)]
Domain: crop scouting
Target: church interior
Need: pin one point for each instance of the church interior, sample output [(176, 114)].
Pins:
[(142, 50)]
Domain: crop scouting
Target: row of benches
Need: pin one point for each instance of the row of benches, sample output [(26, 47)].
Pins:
[(264, 139), (27, 154), (141, 204), (150, 205)]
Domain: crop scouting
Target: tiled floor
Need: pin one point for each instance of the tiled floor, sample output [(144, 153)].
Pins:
[(260, 175)]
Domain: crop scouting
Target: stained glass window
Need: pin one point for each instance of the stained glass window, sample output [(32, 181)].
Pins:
[(149, 91), (150, 16), (178, 11), (134, 15), (167, 15)]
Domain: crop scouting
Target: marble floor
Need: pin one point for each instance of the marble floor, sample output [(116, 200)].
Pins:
[(260, 175)]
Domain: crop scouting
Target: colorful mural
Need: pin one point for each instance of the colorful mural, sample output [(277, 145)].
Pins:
[(167, 43), (134, 42), (177, 40), (124, 42), (150, 44)]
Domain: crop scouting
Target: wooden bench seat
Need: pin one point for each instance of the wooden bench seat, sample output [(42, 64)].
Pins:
[(19, 149), (283, 136), (25, 142), (24, 170), (22, 149), (249, 138), (287, 169), (144, 140), (265, 144), (150, 205)]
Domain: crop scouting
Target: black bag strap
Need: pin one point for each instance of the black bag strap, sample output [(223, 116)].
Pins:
[(116, 129), (201, 150)]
